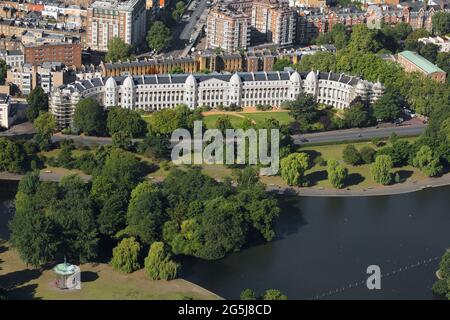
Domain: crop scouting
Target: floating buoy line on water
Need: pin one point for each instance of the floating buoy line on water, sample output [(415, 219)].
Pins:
[(383, 275)]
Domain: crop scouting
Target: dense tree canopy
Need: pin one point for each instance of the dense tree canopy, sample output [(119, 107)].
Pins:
[(125, 120), (381, 169), (337, 173), (89, 117), (45, 125), (12, 156), (117, 50), (37, 102), (441, 23), (158, 36), (126, 255), (293, 169), (158, 263)]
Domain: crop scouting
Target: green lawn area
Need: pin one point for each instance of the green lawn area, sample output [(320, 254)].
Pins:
[(210, 120), (259, 117), (236, 118), (359, 176), (99, 282)]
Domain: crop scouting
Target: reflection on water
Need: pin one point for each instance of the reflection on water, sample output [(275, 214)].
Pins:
[(326, 243), (323, 244)]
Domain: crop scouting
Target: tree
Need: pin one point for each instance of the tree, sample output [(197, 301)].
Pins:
[(293, 169), (337, 173), (357, 116), (303, 109), (145, 215), (37, 102), (32, 231), (120, 173), (246, 177), (164, 122), (122, 139), (441, 23), (351, 155), (125, 120), (65, 158), (117, 50), (178, 11), (158, 37), (223, 123), (45, 125), (427, 162), (444, 265), (73, 212), (155, 147), (411, 42), (388, 107), (429, 51), (281, 63), (381, 169), (112, 216), (158, 264), (273, 294), (443, 61), (89, 117), (126, 255), (12, 156), (248, 294), (367, 154), (3, 71), (363, 39)]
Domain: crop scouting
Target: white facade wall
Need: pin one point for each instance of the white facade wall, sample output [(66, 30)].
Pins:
[(244, 89)]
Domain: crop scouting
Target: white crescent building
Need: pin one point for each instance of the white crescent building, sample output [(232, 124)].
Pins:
[(247, 89)]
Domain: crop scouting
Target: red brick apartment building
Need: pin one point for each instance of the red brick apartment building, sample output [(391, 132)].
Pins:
[(68, 54)]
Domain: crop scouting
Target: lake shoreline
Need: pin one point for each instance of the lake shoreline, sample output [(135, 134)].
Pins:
[(402, 188)]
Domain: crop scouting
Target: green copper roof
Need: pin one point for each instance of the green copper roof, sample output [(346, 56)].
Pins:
[(421, 62), (65, 269)]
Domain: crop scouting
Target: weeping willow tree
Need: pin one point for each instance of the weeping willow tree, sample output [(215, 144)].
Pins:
[(158, 264)]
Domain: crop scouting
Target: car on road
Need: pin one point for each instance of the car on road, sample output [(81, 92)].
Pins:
[(303, 140)]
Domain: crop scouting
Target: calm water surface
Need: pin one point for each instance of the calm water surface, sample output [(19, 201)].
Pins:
[(326, 244)]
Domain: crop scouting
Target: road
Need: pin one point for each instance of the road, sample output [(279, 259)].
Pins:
[(358, 134), (188, 29), (321, 137)]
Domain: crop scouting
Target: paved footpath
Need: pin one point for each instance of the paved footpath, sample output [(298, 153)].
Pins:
[(405, 187)]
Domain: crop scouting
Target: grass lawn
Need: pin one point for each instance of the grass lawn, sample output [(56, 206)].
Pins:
[(210, 120), (237, 117), (359, 176), (99, 282), (259, 117)]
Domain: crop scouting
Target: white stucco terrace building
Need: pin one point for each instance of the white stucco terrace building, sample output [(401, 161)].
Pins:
[(156, 92)]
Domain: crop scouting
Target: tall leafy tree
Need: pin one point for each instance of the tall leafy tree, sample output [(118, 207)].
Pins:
[(117, 50), (357, 116), (388, 107), (12, 156), (89, 117), (441, 23), (427, 162), (158, 36), (74, 213), (159, 265), (45, 125), (126, 255), (381, 169), (125, 120), (145, 215), (337, 173), (293, 169), (3, 71), (37, 102)]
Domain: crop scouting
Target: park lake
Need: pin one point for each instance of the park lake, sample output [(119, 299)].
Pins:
[(324, 246)]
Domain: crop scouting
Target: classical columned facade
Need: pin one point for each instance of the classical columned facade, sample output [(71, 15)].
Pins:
[(247, 89)]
